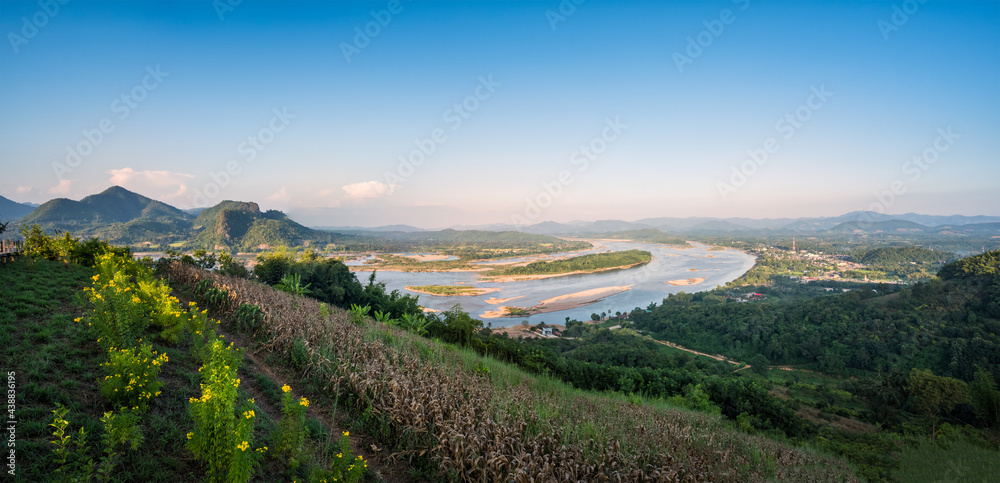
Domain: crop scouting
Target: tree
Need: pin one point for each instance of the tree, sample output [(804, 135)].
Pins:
[(3, 227), (760, 365), (985, 399), (934, 395), (595, 317)]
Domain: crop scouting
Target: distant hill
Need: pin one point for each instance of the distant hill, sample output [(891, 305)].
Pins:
[(11, 210), (350, 229), (239, 225), (898, 226), (113, 205)]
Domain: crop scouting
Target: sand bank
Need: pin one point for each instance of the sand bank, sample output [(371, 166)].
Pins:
[(690, 281), (562, 302)]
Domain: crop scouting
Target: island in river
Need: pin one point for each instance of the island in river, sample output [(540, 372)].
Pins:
[(646, 281)]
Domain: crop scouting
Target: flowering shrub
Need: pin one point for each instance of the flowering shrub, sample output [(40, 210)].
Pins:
[(132, 376), (118, 317), (223, 433), (126, 299), (344, 467), (292, 428)]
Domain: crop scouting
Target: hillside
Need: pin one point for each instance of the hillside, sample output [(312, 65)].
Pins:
[(12, 210), (113, 205), (237, 225), (878, 226)]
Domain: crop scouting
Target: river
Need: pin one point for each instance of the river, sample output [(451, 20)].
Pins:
[(648, 282)]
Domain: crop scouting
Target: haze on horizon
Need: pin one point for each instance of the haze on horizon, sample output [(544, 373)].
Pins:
[(441, 113)]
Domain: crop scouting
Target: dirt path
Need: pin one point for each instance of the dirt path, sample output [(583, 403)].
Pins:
[(717, 357)]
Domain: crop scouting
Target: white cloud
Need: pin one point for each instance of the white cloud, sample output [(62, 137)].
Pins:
[(23, 190), (368, 190), (280, 196), (62, 188), (160, 185)]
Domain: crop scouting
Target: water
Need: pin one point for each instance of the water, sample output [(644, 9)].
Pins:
[(718, 267)]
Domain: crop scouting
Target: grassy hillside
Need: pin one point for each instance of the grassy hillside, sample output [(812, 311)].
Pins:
[(465, 417)]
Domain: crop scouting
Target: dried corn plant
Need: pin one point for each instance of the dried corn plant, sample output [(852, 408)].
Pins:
[(507, 425)]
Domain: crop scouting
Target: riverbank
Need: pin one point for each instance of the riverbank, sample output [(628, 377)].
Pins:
[(686, 282)]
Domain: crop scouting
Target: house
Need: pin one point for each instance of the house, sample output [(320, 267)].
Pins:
[(546, 331)]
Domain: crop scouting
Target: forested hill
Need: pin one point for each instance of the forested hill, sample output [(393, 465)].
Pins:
[(950, 325)]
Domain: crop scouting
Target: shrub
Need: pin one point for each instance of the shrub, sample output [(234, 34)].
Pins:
[(343, 465), (292, 428), (223, 433), (132, 379)]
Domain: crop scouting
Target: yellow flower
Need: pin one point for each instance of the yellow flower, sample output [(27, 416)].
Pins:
[(243, 446), (304, 402), (347, 433), (190, 435), (285, 388)]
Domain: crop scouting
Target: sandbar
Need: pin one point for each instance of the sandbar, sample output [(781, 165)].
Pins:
[(496, 301), (690, 281), (562, 302), (432, 257)]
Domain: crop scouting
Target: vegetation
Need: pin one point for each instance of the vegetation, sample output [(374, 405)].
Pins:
[(583, 263), (475, 418), (139, 349), (447, 289), (651, 235)]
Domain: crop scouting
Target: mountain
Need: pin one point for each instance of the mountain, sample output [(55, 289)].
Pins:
[(113, 205), (386, 228), (892, 226), (11, 210), (240, 225)]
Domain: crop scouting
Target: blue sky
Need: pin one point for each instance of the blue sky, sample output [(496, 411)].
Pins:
[(526, 111)]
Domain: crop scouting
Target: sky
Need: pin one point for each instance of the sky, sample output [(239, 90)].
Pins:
[(443, 113)]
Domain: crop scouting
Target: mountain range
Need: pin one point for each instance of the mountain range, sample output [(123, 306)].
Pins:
[(125, 217)]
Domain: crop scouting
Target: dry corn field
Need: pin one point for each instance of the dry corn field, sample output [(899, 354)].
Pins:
[(504, 424)]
